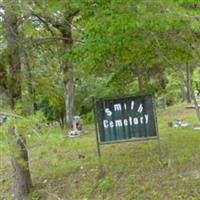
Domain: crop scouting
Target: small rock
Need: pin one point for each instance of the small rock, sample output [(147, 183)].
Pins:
[(178, 124), (45, 181), (196, 127), (170, 163), (74, 133), (81, 156)]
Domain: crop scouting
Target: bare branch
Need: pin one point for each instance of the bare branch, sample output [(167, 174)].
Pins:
[(74, 13), (48, 39), (11, 115), (160, 53), (1, 6), (47, 21), (44, 21), (53, 195)]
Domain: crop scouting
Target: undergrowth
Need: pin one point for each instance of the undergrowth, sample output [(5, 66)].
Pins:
[(68, 168)]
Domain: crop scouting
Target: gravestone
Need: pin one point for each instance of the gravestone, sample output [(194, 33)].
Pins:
[(77, 123), (2, 119), (77, 127)]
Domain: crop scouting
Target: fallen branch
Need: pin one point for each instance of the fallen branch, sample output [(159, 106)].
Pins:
[(11, 115), (52, 194)]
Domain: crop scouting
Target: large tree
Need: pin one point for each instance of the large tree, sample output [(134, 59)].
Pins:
[(60, 27), (22, 183)]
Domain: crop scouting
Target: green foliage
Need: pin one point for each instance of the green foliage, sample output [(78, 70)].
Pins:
[(196, 79), (173, 94), (35, 195), (115, 43), (88, 118), (105, 185), (51, 112), (25, 126), (154, 36)]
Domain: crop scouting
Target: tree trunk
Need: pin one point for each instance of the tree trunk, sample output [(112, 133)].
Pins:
[(68, 75), (190, 90), (182, 83), (140, 79), (3, 75), (189, 83), (22, 183), (69, 101), (195, 103), (11, 25), (30, 84), (196, 106), (21, 175), (3, 83)]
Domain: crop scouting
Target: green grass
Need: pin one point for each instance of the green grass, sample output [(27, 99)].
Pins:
[(132, 171)]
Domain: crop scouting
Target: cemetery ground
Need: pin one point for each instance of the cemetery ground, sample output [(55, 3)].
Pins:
[(67, 168)]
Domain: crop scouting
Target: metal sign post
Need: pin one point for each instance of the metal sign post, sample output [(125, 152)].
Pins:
[(157, 132), (97, 138), (125, 119)]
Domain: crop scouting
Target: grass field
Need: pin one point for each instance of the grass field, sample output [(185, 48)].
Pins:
[(67, 168)]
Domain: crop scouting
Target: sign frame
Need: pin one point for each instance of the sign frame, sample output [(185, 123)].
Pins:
[(132, 139)]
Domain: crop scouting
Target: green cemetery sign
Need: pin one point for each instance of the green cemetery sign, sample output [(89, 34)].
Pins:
[(125, 118)]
